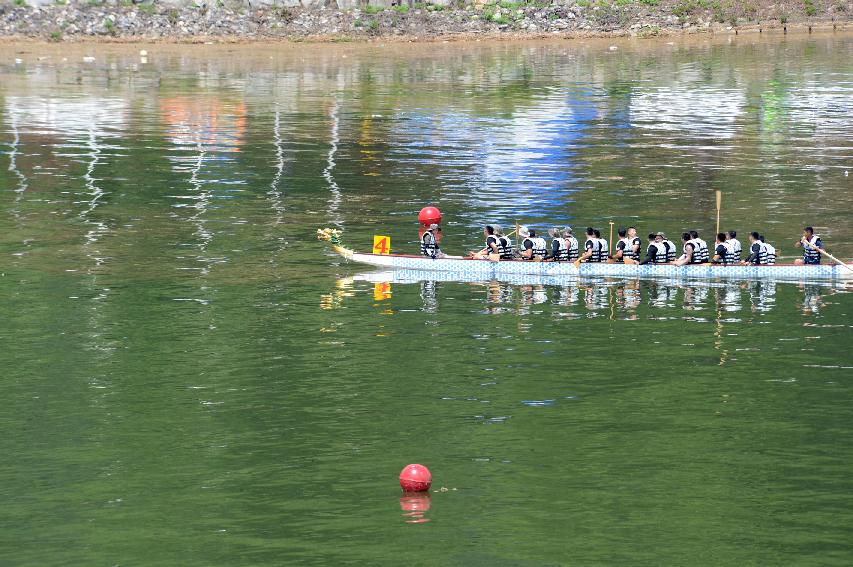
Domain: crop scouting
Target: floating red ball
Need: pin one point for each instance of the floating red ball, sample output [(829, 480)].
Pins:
[(429, 215), (415, 478)]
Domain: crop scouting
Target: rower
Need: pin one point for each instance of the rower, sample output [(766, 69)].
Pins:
[(811, 245), (734, 247), (591, 247), (604, 248), (491, 251), (701, 248), (767, 254), (689, 255), (627, 250), (532, 247), (429, 242), (656, 252), (722, 251), (669, 245), (636, 243), (754, 249), (572, 243), (504, 244), (559, 246)]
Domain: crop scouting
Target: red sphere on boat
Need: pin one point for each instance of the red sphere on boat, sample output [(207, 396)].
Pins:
[(429, 215), (415, 478)]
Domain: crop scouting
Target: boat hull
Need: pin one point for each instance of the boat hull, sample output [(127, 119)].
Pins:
[(467, 269)]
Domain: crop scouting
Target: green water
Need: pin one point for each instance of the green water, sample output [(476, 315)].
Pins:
[(190, 378)]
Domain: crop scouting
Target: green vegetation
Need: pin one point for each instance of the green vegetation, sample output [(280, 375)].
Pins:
[(358, 24), (20, 3), (373, 25), (372, 9), (810, 8), (583, 3), (650, 2), (401, 8), (56, 36), (110, 26), (147, 8), (172, 16)]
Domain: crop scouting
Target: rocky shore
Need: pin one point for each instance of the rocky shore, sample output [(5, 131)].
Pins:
[(203, 21)]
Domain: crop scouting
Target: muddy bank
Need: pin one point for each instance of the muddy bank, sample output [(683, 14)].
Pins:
[(221, 22)]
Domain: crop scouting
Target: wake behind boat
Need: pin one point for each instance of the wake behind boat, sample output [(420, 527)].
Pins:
[(468, 269)]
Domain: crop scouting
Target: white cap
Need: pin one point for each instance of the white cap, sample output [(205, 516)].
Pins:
[(523, 232)]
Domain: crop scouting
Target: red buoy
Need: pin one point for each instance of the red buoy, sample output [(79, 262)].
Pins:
[(415, 478), (429, 215)]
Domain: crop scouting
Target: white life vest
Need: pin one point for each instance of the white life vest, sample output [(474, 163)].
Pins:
[(697, 250), (660, 255), (505, 247), (603, 250), (572, 245), (562, 253), (627, 248), (671, 250), (540, 247), (594, 248), (704, 255), (810, 253), (734, 250), (766, 254), (727, 255), (429, 247)]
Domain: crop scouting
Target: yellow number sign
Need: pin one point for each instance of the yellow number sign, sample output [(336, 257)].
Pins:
[(381, 291), (381, 244)]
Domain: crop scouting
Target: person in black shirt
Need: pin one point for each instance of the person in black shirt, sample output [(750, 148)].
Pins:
[(651, 251), (754, 249), (721, 251), (492, 247)]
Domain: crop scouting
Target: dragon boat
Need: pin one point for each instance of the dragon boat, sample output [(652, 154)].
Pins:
[(470, 269)]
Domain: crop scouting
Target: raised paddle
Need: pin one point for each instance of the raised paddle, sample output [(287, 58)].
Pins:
[(719, 202), (827, 254), (610, 240)]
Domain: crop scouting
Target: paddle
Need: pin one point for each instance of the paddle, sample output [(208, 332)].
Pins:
[(719, 202), (827, 254), (610, 240)]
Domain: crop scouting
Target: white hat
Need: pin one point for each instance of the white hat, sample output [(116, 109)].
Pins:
[(523, 232)]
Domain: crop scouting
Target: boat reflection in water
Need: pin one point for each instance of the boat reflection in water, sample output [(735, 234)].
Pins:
[(415, 505), (599, 297)]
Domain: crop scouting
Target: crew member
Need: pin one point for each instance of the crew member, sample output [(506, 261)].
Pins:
[(734, 247), (603, 247), (636, 243), (572, 243), (559, 246), (429, 242), (754, 249), (722, 252), (628, 247), (504, 244), (669, 246), (767, 253), (811, 245), (532, 247), (701, 251), (689, 255), (591, 247), (491, 244), (656, 252)]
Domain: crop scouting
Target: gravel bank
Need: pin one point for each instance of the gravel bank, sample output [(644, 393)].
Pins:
[(644, 18)]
